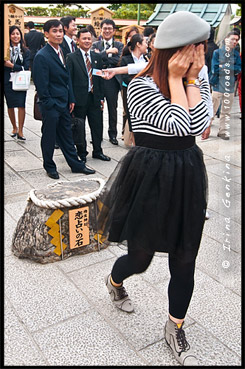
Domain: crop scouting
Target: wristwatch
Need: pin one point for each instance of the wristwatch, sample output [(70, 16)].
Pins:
[(193, 82)]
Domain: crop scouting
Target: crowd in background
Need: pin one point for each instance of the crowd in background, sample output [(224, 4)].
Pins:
[(24, 49)]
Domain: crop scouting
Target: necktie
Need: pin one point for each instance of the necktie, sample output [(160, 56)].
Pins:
[(107, 45), (61, 56), (89, 69), (73, 46)]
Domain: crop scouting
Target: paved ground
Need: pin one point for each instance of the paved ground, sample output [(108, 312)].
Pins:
[(60, 314)]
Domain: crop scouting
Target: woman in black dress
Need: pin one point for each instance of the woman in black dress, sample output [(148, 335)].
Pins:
[(157, 196), (19, 57)]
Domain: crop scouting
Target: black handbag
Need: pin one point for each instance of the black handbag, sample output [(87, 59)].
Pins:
[(78, 128), (36, 109)]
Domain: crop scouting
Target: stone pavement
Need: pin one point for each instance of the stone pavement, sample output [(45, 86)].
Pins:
[(60, 314)]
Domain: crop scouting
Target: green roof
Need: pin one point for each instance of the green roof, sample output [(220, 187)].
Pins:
[(212, 13)]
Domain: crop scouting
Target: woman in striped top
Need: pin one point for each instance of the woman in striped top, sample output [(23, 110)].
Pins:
[(156, 199)]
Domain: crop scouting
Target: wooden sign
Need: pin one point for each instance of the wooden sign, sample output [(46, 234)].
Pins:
[(97, 16), (79, 227), (16, 17), (13, 16)]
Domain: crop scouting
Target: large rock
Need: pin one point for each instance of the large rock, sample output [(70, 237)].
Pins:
[(67, 206)]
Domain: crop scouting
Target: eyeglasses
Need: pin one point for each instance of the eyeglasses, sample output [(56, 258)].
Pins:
[(107, 29)]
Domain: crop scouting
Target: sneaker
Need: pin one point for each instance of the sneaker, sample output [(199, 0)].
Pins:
[(223, 136), (119, 296), (175, 338), (207, 216)]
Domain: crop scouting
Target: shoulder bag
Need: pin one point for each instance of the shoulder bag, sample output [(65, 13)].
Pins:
[(21, 80)]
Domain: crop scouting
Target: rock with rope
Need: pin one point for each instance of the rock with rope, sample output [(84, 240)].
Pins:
[(59, 221)]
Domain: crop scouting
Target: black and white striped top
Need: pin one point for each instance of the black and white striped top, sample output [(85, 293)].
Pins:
[(152, 113)]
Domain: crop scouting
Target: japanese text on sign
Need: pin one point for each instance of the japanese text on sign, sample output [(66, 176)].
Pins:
[(79, 227)]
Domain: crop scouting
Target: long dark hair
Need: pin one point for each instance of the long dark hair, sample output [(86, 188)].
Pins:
[(22, 42), (131, 45), (157, 68), (131, 29)]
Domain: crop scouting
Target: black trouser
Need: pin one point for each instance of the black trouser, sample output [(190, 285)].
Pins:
[(111, 89), (56, 127), (93, 111), (181, 282)]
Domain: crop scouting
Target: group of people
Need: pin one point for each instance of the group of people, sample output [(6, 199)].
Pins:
[(225, 67), (157, 200)]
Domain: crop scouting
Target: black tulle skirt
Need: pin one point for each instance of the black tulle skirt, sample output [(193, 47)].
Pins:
[(157, 199)]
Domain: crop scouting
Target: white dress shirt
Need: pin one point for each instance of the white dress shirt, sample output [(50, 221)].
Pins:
[(84, 58), (58, 52), (69, 41)]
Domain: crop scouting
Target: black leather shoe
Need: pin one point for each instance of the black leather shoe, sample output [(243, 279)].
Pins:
[(113, 140), (85, 170), (53, 175), (21, 138), (101, 156)]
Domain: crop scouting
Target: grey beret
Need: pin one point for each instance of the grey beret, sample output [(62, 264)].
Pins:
[(180, 29)]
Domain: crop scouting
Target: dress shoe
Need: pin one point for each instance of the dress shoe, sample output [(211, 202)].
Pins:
[(85, 170), (223, 136), (13, 135), (113, 140), (53, 175), (101, 156), (21, 138)]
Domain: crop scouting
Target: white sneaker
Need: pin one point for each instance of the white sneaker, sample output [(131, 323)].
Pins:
[(119, 296)]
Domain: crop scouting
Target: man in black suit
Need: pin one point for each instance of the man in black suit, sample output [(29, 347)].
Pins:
[(34, 41), (53, 84), (111, 52), (88, 91), (68, 44)]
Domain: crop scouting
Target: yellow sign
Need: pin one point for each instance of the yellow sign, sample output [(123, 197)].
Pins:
[(55, 231), (79, 227), (99, 236)]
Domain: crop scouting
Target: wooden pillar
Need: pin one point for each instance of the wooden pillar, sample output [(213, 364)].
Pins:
[(6, 33)]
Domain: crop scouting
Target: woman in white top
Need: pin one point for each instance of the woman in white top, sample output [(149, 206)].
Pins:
[(134, 52), (156, 199)]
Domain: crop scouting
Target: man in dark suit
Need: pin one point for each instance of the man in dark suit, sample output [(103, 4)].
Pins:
[(88, 91), (111, 52), (34, 41), (53, 84), (68, 44)]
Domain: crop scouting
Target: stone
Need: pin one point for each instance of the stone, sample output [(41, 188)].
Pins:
[(42, 233)]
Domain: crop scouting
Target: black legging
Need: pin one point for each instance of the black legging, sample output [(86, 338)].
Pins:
[(181, 283)]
